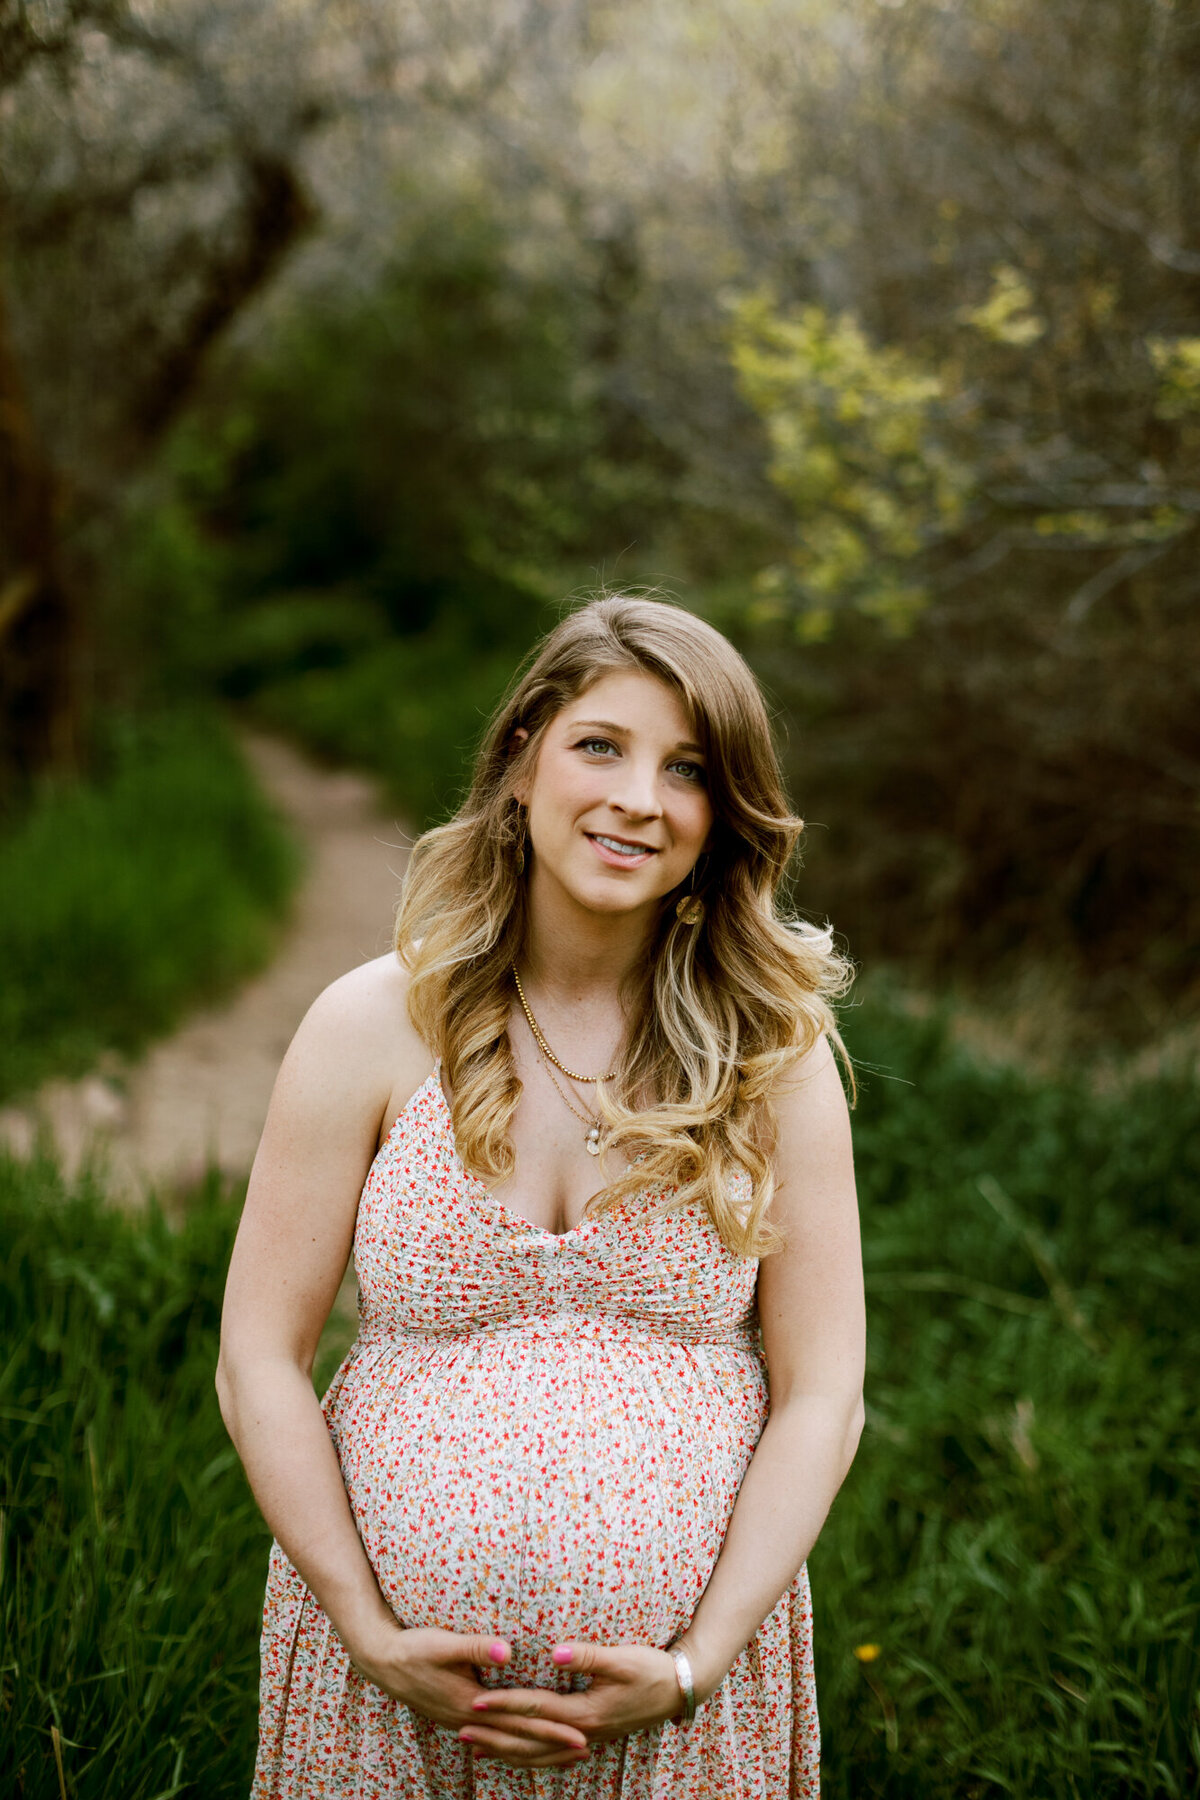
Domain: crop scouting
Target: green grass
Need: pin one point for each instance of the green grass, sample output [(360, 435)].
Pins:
[(1019, 1535), (133, 1554), (127, 897)]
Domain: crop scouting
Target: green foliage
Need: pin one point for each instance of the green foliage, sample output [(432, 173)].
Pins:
[(1177, 364), (882, 452), (363, 528), (858, 448), (1017, 1536), (984, 263), (412, 710), (125, 898), (1008, 315)]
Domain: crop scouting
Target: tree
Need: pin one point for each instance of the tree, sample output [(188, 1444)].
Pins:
[(158, 171), (980, 391)]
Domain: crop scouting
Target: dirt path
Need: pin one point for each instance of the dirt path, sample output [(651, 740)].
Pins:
[(200, 1097)]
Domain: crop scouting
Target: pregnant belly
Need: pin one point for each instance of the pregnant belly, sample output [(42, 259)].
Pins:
[(547, 1486)]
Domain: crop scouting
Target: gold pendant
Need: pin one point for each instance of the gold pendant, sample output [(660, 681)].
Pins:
[(592, 1141)]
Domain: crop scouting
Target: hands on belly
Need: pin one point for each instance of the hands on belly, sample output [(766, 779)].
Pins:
[(632, 1688), (435, 1673)]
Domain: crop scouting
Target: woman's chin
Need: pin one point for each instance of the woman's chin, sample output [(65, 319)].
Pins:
[(604, 892), (610, 900)]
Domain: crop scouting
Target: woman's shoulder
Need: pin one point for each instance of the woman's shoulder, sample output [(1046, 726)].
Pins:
[(806, 1094), (358, 1031), (373, 996)]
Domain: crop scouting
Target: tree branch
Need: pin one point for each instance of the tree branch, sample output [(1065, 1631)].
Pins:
[(160, 168), (275, 212), (1120, 569)]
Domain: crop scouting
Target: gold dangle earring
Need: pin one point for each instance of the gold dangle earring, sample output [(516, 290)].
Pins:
[(689, 908)]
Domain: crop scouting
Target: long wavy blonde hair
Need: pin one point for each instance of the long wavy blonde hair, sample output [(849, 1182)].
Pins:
[(717, 1012)]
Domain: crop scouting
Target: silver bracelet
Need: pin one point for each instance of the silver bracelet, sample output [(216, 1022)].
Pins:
[(687, 1687)]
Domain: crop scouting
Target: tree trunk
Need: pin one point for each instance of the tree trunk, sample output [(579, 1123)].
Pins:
[(40, 624), (41, 620)]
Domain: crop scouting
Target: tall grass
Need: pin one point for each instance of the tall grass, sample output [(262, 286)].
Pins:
[(133, 1554), (132, 1551), (1018, 1540), (1020, 1537), (126, 897)]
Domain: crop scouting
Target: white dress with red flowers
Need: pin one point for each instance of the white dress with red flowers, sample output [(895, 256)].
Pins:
[(542, 1437)]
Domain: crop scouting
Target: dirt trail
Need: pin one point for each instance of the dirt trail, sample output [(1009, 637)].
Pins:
[(200, 1096)]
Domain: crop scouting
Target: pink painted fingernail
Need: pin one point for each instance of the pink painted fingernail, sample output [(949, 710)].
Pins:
[(466, 1737), (562, 1655), (498, 1652)]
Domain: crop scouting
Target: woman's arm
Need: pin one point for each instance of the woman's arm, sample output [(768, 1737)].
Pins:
[(291, 1252), (810, 1297), (354, 1060)]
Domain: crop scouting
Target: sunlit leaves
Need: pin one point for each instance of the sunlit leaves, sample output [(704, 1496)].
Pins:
[(1177, 364), (859, 445), (1008, 315)]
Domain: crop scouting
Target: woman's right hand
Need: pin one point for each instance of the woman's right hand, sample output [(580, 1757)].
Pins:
[(435, 1673)]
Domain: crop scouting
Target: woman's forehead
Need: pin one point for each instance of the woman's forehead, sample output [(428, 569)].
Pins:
[(632, 699)]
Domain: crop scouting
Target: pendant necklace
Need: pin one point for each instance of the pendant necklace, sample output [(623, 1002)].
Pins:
[(592, 1140)]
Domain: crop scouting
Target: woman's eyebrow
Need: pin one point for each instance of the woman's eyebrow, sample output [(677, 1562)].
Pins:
[(616, 730), (600, 725)]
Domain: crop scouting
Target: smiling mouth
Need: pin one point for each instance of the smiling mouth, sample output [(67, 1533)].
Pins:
[(622, 846)]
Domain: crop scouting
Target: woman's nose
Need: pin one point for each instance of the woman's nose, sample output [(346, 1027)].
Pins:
[(635, 792)]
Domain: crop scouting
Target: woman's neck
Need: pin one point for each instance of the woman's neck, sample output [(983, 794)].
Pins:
[(576, 955)]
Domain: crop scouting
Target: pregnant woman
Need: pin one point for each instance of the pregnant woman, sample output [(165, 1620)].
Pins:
[(586, 1137)]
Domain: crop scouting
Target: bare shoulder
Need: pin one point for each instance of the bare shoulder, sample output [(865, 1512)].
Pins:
[(812, 1147), (812, 1090), (366, 1002), (356, 1048)]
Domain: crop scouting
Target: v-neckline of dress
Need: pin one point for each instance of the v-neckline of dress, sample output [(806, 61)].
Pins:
[(481, 1188)]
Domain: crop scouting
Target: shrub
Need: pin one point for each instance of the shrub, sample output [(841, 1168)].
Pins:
[(125, 897)]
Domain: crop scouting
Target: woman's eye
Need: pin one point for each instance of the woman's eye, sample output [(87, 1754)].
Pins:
[(693, 771), (596, 746)]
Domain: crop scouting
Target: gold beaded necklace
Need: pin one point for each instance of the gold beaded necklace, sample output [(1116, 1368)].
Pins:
[(592, 1140), (540, 1040)]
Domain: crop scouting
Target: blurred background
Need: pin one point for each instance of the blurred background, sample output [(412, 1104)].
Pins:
[(340, 344)]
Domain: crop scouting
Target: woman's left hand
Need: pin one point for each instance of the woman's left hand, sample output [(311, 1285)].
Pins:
[(632, 1688)]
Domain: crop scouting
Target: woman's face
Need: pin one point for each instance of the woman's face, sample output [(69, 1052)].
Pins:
[(618, 803)]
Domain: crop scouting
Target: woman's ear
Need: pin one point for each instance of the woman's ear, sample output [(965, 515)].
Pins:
[(520, 788)]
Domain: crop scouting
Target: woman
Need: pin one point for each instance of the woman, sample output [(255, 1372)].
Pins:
[(586, 1132)]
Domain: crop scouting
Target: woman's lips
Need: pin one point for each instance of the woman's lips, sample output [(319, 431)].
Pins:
[(618, 859)]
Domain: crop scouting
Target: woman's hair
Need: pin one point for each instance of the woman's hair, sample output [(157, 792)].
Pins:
[(717, 1012)]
